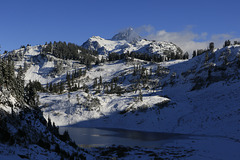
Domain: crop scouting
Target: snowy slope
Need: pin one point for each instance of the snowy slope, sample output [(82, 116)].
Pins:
[(203, 87), (64, 111), (209, 108), (40, 66)]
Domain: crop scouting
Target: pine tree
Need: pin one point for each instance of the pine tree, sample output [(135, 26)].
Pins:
[(54, 88), (65, 136), (20, 83), (186, 55), (61, 87), (1, 73), (78, 99), (97, 62), (211, 46), (68, 81), (47, 86), (194, 54), (51, 87), (100, 80), (140, 96), (95, 83), (69, 96), (227, 43), (80, 72), (31, 94), (206, 57), (25, 66), (49, 124), (102, 60), (72, 79), (134, 71)]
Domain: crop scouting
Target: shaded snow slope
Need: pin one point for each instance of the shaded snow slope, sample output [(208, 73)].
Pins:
[(25, 134)]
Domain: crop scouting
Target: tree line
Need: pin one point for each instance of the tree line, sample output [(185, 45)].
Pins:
[(148, 57), (71, 51)]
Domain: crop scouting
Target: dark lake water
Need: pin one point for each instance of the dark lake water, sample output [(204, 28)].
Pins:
[(108, 137)]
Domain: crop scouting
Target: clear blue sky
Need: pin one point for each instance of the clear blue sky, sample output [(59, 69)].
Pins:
[(38, 21)]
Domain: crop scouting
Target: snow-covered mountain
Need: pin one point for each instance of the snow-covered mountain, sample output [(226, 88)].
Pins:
[(129, 41), (198, 96), (166, 82), (173, 82)]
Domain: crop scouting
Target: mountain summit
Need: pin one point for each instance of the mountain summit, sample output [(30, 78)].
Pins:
[(129, 41), (128, 34)]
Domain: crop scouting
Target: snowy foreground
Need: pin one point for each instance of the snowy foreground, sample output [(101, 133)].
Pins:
[(208, 112)]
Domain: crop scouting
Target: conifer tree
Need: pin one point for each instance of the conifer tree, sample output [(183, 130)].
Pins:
[(95, 83), (31, 94), (1, 73), (20, 83), (140, 96), (69, 96), (47, 86), (206, 57), (194, 54), (61, 87), (51, 87), (78, 99), (100, 80)]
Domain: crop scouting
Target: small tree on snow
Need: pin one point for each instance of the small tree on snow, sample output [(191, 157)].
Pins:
[(140, 96), (69, 96), (211, 46), (78, 99)]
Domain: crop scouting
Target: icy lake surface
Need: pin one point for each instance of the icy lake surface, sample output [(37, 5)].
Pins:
[(107, 137)]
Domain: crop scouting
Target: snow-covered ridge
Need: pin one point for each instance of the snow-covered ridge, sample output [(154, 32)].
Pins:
[(129, 41), (41, 67)]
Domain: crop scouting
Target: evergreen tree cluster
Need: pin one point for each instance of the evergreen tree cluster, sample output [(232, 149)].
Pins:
[(72, 83), (113, 87), (148, 57), (227, 43), (31, 96), (72, 51), (108, 87), (9, 80), (115, 56), (199, 52), (15, 83), (211, 47), (55, 87)]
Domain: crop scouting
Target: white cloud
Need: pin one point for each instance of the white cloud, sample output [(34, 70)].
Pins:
[(187, 39)]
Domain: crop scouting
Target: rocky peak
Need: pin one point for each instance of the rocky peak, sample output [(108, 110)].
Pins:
[(128, 34)]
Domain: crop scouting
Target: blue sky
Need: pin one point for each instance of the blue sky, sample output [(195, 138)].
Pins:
[(187, 23)]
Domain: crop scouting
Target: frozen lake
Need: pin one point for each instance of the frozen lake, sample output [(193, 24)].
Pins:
[(108, 136)]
